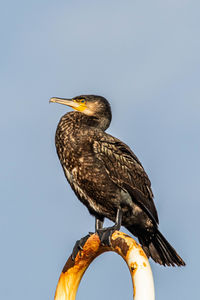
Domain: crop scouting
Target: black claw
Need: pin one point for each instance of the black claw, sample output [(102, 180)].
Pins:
[(79, 246)]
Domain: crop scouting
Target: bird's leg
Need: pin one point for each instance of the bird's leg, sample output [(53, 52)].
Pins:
[(118, 220), (106, 233), (98, 224)]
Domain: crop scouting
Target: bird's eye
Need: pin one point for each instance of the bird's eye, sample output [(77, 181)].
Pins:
[(82, 101), (79, 100)]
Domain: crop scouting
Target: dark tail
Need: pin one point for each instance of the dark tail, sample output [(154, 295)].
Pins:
[(158, 248)]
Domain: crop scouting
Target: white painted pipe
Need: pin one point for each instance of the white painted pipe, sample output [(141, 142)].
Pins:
[(143, 283)]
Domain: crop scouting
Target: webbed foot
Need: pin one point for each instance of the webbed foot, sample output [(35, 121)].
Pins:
[(79, 245), (105, 235)]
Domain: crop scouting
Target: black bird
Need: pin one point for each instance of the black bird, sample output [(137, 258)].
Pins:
[(107, 177)]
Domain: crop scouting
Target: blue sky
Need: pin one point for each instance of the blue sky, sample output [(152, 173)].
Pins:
[(143, 56)]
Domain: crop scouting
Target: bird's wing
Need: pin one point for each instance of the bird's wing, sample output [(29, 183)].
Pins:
[(126, 171)]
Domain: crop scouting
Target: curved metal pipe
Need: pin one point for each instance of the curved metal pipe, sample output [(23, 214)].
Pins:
[(122, 244)]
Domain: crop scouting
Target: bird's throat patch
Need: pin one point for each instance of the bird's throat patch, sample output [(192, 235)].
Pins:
[(81, 107)]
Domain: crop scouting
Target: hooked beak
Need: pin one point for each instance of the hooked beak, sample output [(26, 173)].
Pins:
[(64, 101)]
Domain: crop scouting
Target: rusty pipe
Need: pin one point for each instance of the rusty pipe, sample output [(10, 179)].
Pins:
[(122, 244)]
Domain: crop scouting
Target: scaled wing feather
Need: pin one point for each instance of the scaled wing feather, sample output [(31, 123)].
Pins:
[(126, 171)]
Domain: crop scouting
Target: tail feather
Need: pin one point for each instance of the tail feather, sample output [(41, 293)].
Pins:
[(158, 248), (171, 253)]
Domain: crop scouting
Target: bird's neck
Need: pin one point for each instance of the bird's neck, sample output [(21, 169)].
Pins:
[(80, 120)]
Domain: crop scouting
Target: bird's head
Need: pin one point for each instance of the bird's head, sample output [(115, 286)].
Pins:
[(91, 105)]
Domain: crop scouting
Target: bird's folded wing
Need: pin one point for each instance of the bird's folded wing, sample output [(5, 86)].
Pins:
[(126, 171)]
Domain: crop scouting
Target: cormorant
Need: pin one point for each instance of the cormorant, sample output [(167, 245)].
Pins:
[(107, 177)]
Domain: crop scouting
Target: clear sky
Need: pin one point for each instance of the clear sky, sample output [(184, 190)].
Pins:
[(143, 56)]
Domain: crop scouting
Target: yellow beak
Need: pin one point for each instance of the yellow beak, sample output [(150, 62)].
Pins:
[(69, 102)]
